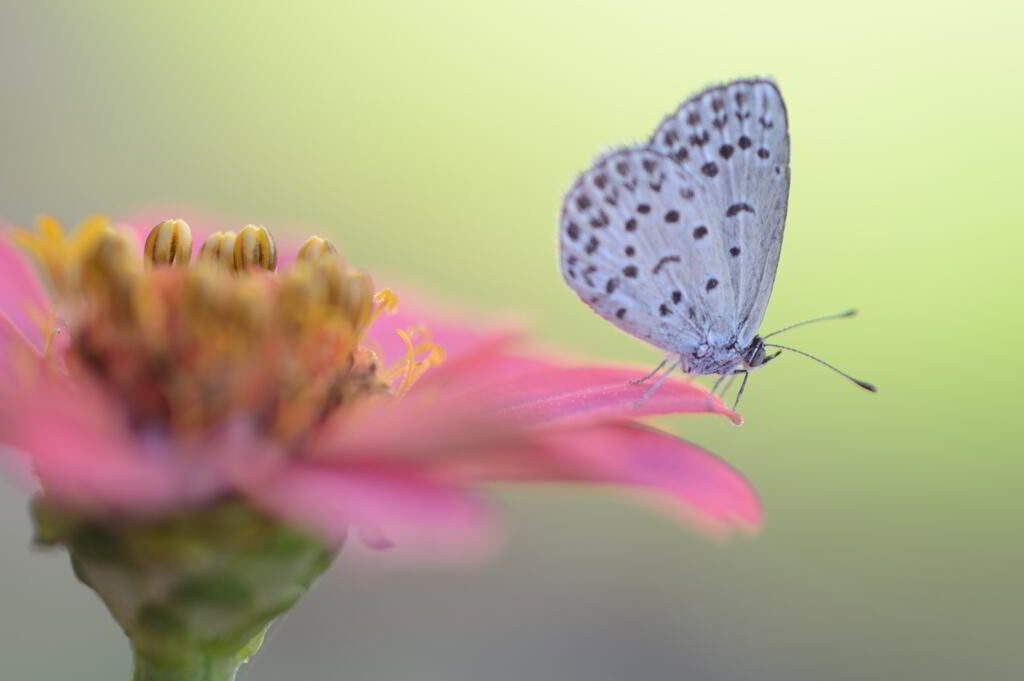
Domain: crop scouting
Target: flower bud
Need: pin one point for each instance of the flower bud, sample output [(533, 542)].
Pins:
[(315, 249), (255, 247), (219, 249), (169, 243)]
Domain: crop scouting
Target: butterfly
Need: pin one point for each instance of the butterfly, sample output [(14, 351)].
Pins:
[(677, 241)]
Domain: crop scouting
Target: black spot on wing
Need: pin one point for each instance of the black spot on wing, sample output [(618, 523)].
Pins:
[(737, 208), (699, 140), (664, 261), (601, 220)]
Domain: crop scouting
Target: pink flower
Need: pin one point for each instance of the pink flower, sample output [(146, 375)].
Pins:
[(135, 391)]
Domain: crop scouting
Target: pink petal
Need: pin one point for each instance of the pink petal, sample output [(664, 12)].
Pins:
[(481, 367), (384, 506), (698, 485), (21, 293), (531, 390), (459, 338), (519, 397), (557, 394), (83, 455), (484, 368), (459, 447), (14, 347)]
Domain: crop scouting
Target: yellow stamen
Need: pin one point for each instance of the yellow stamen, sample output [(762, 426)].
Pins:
[(44, 320), (219, 249), (386, 301), (255, 247), (357, 299), (189, 347), (410, 368), (316, 248), (50, 339), (169, 243), (57, 253)]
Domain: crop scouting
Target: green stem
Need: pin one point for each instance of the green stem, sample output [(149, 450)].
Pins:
[(194, 668)]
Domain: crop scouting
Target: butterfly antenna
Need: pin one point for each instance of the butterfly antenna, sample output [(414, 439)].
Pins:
[(840, 315), (863, 384)]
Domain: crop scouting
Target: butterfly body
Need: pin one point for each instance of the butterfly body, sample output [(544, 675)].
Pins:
[(677, 241)]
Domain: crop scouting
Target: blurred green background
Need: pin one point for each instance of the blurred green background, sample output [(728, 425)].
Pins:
[(435, 139)]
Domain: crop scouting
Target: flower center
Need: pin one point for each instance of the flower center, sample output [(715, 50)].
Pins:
[(193, 346)]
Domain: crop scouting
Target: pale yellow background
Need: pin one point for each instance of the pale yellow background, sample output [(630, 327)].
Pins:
[(435, 139)]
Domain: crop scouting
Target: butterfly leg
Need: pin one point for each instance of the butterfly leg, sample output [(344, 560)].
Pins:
[(661, 379), (638, 381), (746, 375), (728, 378), (728, 383), (714, 388)]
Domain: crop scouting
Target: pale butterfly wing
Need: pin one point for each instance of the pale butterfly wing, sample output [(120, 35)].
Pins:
[(677, 242), (639, 244), (734, 139)]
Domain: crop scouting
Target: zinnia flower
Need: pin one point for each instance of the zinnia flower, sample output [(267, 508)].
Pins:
[(205, 430)]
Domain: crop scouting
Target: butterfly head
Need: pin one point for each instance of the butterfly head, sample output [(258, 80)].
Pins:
[(754, 355)]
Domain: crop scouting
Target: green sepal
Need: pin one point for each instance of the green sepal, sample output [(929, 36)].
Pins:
[(194, 590)]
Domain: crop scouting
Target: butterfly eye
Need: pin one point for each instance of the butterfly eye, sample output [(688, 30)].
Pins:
[(219, 249), (255, 247), (169, 243)]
